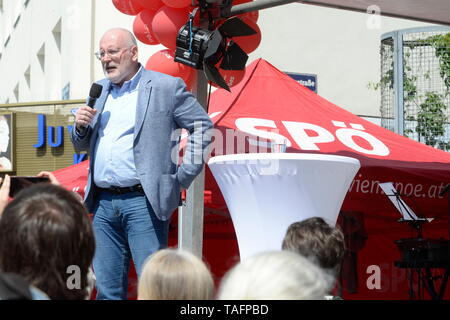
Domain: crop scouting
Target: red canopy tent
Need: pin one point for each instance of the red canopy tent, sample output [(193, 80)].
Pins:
[(268, 104)]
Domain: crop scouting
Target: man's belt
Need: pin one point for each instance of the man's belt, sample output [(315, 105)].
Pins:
[(122, 190)]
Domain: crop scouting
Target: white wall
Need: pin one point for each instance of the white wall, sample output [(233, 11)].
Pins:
[(336, 45), (34, 34)]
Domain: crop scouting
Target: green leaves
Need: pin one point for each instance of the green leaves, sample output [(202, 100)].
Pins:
[(441, 44), (431, 120)]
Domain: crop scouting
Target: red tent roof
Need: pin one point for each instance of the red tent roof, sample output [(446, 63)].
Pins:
[(74, 177), (267, 100), (267, 103), (268, 93)]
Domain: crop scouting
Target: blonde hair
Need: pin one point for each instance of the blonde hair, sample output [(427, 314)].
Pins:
[(175, 274), (275, 275)]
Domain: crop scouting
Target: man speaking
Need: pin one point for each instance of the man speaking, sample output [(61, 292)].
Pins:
[(133, 185)]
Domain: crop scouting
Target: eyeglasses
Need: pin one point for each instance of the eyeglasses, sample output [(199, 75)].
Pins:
[(112, 53)]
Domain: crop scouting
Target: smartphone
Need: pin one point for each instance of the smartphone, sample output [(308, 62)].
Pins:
[(19, 183)]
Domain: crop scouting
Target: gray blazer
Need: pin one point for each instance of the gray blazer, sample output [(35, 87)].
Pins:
[(164, 105)]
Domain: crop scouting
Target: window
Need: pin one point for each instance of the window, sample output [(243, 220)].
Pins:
[(17, 12), (66, 92), (57, 35), (27, 76), (16, 93), (7, 40), (41, 57)]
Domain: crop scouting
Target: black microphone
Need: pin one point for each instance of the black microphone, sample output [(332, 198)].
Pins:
[(94, 94)]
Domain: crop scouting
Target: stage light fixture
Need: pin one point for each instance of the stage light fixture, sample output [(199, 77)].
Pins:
[(203, 49)]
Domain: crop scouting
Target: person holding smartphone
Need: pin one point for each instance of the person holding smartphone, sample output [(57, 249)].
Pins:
[(5, 189), (45, 232)]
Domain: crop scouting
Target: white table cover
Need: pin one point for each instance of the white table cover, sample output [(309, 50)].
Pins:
[(266, 192)]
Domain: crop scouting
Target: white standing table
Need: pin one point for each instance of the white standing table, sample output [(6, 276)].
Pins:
[(266, 192)]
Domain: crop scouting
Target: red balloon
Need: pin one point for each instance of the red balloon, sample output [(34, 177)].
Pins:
[(249, 43), (231, 77), (192, 81), (130, 7), (166, 24), (151, 4), (162, 61), (253, 16), (142, 27), (177, 3)]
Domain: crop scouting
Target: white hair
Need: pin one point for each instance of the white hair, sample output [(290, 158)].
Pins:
[(275, 275), (128, 37)]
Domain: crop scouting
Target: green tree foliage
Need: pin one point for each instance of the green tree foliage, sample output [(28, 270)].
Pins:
[(431, 120), (428, 110), (441, 44)]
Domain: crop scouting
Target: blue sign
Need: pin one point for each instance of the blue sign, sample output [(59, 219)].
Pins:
[(305, 79), (54, 137)]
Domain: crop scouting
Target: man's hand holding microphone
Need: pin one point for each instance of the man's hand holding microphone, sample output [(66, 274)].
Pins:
[(86, 114), (84, 117)]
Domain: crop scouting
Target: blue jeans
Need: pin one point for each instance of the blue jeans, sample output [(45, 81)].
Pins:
[(125, 227)]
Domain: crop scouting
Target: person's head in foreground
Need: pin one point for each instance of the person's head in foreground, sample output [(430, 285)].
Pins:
[(275, 275), (46, 236), (175, 274), (315, 239)]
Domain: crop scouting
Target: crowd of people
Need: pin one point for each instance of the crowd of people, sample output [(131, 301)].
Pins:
[(47, 245), (51, 249)]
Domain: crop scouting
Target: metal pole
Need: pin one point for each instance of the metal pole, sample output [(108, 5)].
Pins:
[(190, 214), (398, 83), (254, 6)]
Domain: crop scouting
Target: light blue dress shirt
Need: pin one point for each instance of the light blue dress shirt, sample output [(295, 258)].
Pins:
[(114, 162)]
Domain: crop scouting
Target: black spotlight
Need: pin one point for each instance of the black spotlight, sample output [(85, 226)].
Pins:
[(202, 49)]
